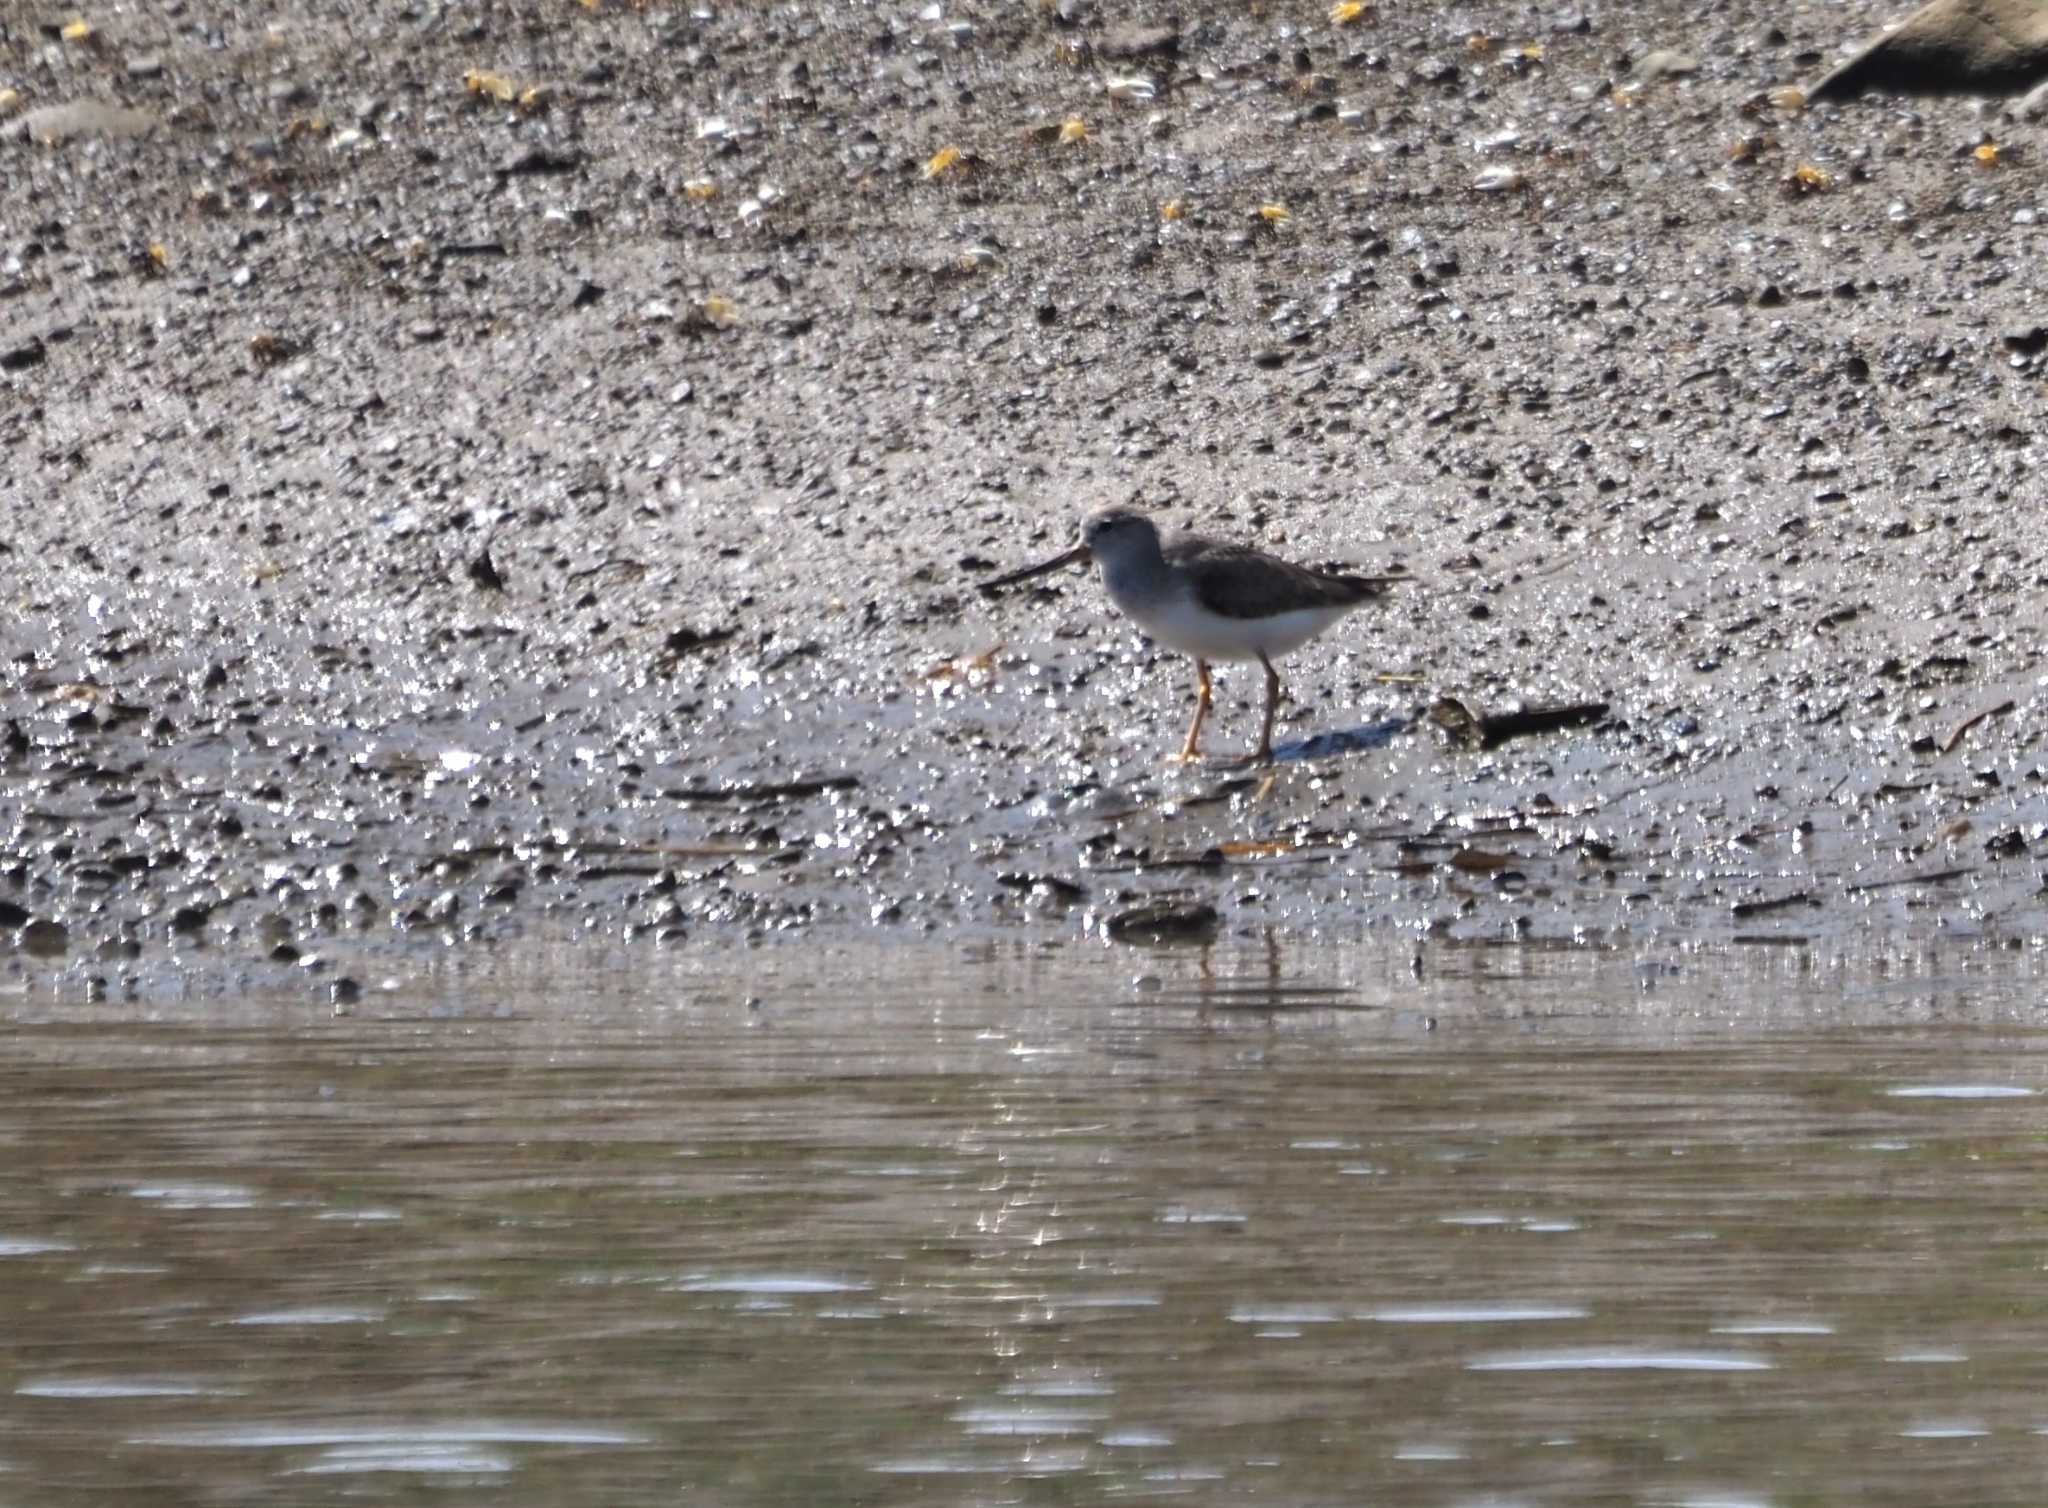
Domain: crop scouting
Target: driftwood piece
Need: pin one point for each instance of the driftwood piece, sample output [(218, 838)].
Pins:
[(1477, 730)]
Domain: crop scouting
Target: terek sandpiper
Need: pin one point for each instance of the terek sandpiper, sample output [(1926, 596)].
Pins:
[(1211, 600)]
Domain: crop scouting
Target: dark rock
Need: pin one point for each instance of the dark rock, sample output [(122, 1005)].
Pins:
[(45, 939), (1950, 47), (1163, 921), (539, 160), (485, 573)]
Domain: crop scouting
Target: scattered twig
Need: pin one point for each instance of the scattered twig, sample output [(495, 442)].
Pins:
[(788, 790), (1779, 903), (1961, 729), (1934, 878)]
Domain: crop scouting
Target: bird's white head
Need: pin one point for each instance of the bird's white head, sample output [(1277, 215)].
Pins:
[(1120, 540), (1116, 536)]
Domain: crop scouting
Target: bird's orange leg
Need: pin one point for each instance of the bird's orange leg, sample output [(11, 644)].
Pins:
[(1189, 752)]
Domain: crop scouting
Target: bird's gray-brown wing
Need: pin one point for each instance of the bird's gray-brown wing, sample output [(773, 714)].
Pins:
[(1236, 581)]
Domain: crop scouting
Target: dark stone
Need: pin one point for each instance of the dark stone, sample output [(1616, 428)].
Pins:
[(1950, 47), (1163, 921)]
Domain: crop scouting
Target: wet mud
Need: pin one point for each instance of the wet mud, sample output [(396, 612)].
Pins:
[(479, 471)]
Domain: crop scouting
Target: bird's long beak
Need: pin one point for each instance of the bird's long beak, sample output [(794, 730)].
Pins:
[(1077, 556)]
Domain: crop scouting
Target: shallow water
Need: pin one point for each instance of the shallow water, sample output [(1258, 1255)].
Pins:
[(985, 1227)]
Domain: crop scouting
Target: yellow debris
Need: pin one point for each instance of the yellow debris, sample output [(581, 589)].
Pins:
[(1986, 154), (158, 255), (78, 29), (720, 310), (1274, 214), (1172, 209), (1479, 44), (1258, 848), (1791, 99), (945, 160), (700, 188), (1073, 130), (10, 101), (1344, 12), (966, 666), (1808, 179), (495, 85)]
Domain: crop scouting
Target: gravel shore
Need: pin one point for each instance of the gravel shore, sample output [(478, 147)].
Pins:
[(477, 470)]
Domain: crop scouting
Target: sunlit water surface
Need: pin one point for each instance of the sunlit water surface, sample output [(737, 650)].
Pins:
[(941, 1227)]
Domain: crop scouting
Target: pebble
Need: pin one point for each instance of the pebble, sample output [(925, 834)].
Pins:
[(53, 125), (1665, 63)]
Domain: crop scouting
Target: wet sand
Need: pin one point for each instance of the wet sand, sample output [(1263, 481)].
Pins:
[(436, 518)]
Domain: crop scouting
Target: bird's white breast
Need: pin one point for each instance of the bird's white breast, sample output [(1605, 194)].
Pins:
[(1177, 620)]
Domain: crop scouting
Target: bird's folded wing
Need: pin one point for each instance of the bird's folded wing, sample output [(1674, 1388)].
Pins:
[(1236, 581)]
